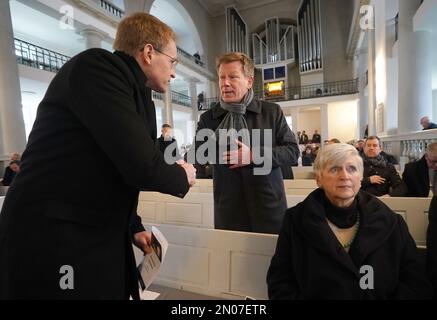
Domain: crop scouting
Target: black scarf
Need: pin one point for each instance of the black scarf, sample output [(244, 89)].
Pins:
[(379, 161), (341, 217)]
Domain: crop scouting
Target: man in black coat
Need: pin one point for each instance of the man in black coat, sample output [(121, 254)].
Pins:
[(380, 177), (427, 124), (419, 175), (165, 141), (246, 199), (69, 219)]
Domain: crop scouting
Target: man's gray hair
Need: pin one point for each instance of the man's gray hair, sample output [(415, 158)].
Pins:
[(337, 154)]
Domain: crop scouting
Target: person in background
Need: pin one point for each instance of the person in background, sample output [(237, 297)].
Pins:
[(334, 140), (316, 137), (421, 176), (380, 178), (308, 156), (200, 100), (69, 219), (11, 171), (243, 200), (167, 142), (326, 241), (359, 145), (427, 124), (303, 138)]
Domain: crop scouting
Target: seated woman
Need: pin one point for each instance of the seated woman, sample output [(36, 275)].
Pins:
[(343, 243)]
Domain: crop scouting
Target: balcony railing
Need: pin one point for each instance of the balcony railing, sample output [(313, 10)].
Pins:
[(176, 97), (112, 9), (37, 57), (190, 57), (327, 89)]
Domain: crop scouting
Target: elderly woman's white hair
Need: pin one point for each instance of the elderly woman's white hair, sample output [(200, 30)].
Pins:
[(337, 154)]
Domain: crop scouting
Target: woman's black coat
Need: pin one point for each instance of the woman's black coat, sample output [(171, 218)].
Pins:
[(310, 263)]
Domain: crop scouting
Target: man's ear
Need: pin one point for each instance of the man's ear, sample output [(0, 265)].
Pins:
[(147, 53), (249, 82)]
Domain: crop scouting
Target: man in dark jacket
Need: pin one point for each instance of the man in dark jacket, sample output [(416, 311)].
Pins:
[(380, 178), (245, 197), (69, 219), (165, 141), (420, 175), (427, 124), (316, 137)]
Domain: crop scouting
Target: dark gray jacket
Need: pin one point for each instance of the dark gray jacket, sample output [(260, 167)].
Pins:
[(244, 201)]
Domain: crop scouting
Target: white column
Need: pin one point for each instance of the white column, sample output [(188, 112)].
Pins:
[(363, 114), (93, 37), (12, 130), (168, 108), (294, 113), (415, 67), (324, 123), (380, 66), (371, 86), (194, 104), (434, 106), (213, 89)]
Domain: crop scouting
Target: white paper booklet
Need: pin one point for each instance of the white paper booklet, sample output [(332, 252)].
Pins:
[(151, 263)]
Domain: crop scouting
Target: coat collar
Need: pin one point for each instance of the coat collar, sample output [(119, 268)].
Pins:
[(377, 222), (255, 106)]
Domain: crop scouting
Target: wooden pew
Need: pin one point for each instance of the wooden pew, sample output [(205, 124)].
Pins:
[(224, 264), (197, 210), (232, 265), (415, 213), (292, 187)]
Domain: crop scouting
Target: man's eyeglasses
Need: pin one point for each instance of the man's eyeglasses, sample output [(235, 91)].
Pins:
[(174, 61)]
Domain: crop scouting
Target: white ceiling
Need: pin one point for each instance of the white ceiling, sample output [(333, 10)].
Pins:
[(217, 7), (166, 11)]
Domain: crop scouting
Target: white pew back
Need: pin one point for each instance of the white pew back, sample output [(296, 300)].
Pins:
[(1, 202), (229, 264), (292, 187), (197, 210), (225, 264)]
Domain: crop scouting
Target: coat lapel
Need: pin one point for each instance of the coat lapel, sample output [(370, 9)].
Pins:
[(376, 225)]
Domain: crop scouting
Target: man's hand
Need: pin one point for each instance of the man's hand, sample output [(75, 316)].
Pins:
[(238, 158), (376, 180), (189, 170), (142, 240)]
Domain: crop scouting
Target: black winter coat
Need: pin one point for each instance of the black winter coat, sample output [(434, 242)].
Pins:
[(431, 244), (90, 152), (244, 201), (416, 177), (393, 185), (310, 263)]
